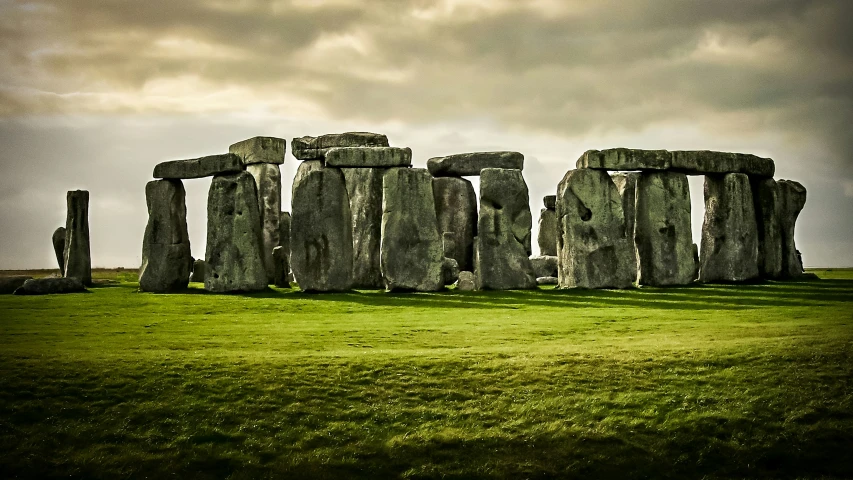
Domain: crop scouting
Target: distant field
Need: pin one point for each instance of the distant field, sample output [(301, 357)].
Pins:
[(705, 381)]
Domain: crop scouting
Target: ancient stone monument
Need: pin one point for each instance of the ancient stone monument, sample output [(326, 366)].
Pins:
[(547, 237), (765, 193), (58, 240), (166, 259), (792, 198), (77, 255), (456, 211)]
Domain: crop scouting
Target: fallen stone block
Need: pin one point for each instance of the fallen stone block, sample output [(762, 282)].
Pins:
[(50, 285), (9, 284)]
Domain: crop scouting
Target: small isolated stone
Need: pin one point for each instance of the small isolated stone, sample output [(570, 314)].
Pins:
[(547, 281), (315, 148), (199, 167), (44, 286), (367, 157), (282, 267), (364, 188), (456, 211), (466, 282), (260, 150), (9, 284), (544, 265), (469, 164), (625, 159)]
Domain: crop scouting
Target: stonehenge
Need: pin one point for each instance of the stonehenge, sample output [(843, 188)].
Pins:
[(792, 198), (364, 188), (469, 164), (315, 148), (58, 239), (456, 211), (76, 254), (166, 260), (547, 236)]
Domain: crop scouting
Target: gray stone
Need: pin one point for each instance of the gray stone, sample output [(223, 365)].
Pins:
[(550, 202), (626, 183), (233, 256), (792, 199), (268, 182), (705, 162), (284, 233), (49, 285), (166, 259), (412, 252), (729, 250), (199, 269), (78, 259), (466, 281), (503, 232), (663, 234), (369, 157), (364, 188), (593, 244), (321, 246), (315, 148), (282, 267), (58, 240), (456, 211), (449, 271), (696, 263), (469, 164), (9, 284), (765, 195), (448, 244), (544, 265), (625, 159), (302, 171), (547, 235), (199, 167), (547, 281), (260, 150)]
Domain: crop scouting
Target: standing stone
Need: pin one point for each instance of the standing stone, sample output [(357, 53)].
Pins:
[(765, 194), (729, 250), (792, 199), (547, 236), (456, 210), (503, 232), (284, 234), (626, 183), (321, 233), (302, 171), (663, 234), (199, 269), (268, 181), (58, 240), (470, 164), (282, 268), (593, 244), (166, 259), (411, 252), (234, 257), (466, 282), (364, 188), (78, 259)]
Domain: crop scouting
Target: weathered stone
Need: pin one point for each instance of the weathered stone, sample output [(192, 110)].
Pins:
[(550, 202), (302, 171), (503, 232), (369, 157), (314, 148), (466, 281), (234, 257), (547, 235), (469, 164), (663, 234), (626, 183), (456, 211), (792, 199), (364, 188), (199, 269), (765, 195), (705, 162), (729, 250), (282, 267), (448, 244), (696, 263), (9, 284), (321, 246), (284, 234), (593, 246), (199, 167), (449, 271), (625, 159), (58, 240), (544, 265), (547, 281), (49, 285), (260, 150), (78, 259), (268, 182), (166, 259), (411, 252)]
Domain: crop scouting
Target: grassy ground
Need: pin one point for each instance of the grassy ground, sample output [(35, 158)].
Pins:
[(707, 381)]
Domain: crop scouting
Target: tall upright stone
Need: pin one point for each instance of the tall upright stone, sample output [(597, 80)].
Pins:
[(78, 259), (662, 234), (284, 234), (547, 236), (58, 240), (411, 253), (456, 211), (792, 198), (321, 232), (593, 245), (302, 171), (729, 250), (166, 259), (268, 181), (765, 195), (234, 248), (501, 260), (626, 183), (364, 188)]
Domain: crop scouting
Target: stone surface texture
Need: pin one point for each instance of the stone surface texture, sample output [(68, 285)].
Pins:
[(471, 164), (49, 285), (369, 157), (315, 148), (58, 240), (792, 199), (765, 195), (705, 162), (8, 284), (449, 271), (544, 265), (282, 268), (260, 150), (550, 202), (625, 159), (626, 183), (284, 233), (466, 281), (199, 269), (268, 183), (166, 259), (456, 210), (302, 171), (199, 167), (78, 258), (547, 235), (364, 188)]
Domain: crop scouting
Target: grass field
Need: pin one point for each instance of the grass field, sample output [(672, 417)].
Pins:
[(708, 381)]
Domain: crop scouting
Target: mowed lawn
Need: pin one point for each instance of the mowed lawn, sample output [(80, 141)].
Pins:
[(708, 381)]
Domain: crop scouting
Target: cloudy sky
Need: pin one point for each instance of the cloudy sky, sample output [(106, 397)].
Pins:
[(94, 93)]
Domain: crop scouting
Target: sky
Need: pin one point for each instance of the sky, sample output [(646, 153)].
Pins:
[(94, 93)]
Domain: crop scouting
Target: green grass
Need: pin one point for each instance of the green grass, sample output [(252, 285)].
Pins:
[(709, 381)]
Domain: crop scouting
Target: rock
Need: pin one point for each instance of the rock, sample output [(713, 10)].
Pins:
[(260, 150), (593, 245), (704, 162), (550, 202), (663, 234), (199, 269), (199, 167), (765, 196), (456, 211), (284, 234), (364, 188), (449, 271), (78, 259), (49, 285), (448, 244), (626, 183), (695, 275), (503, 232), (625, 159), (412, 253), (58, 240), (547, 235), (792, 199), (166, 259), (369, 157), (470, 164), (729, 250), (234, 258), (547, 281), (544, 265), (9, 284), (321, 246), (282, 267), (466, 281), (315, 148), (302, 171), (268, 182)]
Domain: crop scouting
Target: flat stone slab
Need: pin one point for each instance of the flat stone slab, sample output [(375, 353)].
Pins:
[(690, 162), (199, 167), (8, 285), (625, 159), (471, 164), (315, 148), (260, 150), (44, 286), (369, 157)]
